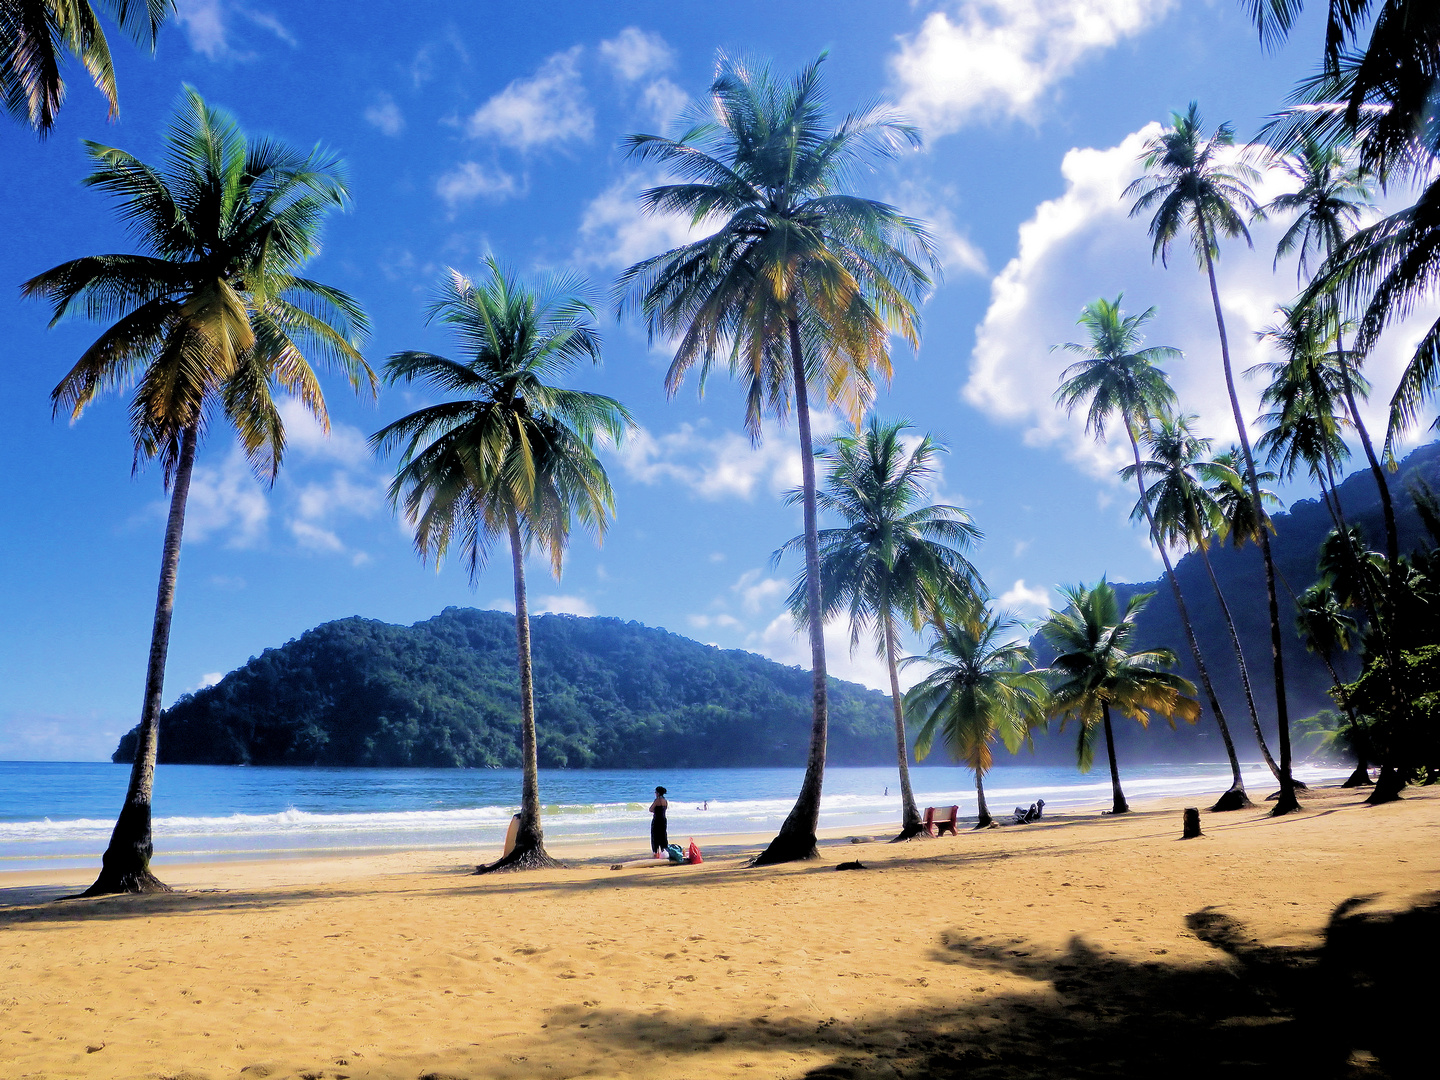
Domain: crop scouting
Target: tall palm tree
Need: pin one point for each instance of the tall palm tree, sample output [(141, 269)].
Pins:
[(510, 454), (981, 684), (1328, 207), (1097, 667), (210, 322), (1184, 511), (1325, 626), (1190, 188), (1117, 376), (35, 35), (800, 285), (893, 558)]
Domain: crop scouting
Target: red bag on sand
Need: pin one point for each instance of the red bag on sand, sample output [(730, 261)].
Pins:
[(692, 855)]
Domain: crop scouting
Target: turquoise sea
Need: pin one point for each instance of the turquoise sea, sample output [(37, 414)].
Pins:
[(60, 813)]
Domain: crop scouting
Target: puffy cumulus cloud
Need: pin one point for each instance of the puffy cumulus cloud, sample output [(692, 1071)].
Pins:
[(663, 101), (1024, 598), (633, 54), (225, 500), (982, 59), (1083, 245), (470, 180), (550, 106), (386, 116), (758, 592), (705, 622), (716, 466), (305, 436), (616, 231), (782, 642)]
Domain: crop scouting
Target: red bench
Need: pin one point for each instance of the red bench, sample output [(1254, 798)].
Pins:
[(938, 819)]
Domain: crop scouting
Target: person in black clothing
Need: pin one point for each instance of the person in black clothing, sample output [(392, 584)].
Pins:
[(659, 835)]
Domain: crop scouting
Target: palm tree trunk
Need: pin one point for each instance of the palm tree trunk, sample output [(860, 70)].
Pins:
[(125, 867), (1235, 798), (529, 852), (985, 820), (1240, 660), (796, 839), (910, 813), (1120, 806), (1361, 776), (1392, 536), (1287, 802)]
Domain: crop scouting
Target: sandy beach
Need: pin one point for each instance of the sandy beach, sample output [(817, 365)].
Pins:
[(1082, 945)]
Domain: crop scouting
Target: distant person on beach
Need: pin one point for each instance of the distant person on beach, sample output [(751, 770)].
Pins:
[(659, 834)]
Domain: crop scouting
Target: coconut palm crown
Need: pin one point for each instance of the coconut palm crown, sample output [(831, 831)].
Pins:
[(795, 285), (35, 35)]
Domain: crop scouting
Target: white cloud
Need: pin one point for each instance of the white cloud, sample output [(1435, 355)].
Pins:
[(207, 25), (210, 678), (1083, 245), (704, 622), (719, 466), (469, 181), (549, 106), (312, 537), (616, 231), (634, 54), (664, 101), (1023, 597), (561, 605), (303, 434), (982, 59), (958, 254), (757, 592), (386, 116), (225, 499), (783, 643)]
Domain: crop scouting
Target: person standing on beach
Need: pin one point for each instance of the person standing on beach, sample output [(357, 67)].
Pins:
[(659, 833)]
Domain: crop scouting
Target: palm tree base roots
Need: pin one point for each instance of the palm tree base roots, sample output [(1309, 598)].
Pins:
[(788, 847), (1387, 787), (1119, 808), (986, 822), (535, 858), (913, 831), (1359, 778), (1234, 799), (1285, 802), (114, 882)]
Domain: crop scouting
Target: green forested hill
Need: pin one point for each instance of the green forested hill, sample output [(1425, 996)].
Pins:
[(444, 692)]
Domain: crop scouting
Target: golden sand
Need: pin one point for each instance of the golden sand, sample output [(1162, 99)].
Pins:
[(1083, 945)]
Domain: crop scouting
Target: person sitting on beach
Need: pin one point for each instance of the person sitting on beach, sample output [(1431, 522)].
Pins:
[(659, 832), (1025, 817)]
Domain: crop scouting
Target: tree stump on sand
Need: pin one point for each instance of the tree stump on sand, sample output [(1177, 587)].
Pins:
[(1192, 823)]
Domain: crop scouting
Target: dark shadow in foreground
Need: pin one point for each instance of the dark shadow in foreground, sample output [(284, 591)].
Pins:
[(1353, 1008)]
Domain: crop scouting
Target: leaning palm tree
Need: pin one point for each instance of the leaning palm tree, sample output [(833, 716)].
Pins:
[(1190, 188), (210, 323), (1185, 511), (981, 684), (1097, 667), (35, 35), (1325, 626), (511, 454), (799, 286), (1117, 377), (893, 558)]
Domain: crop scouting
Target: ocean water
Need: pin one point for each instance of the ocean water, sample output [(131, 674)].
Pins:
[(61, 813)]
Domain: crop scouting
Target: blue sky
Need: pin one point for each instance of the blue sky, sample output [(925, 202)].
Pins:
[(495, 129)]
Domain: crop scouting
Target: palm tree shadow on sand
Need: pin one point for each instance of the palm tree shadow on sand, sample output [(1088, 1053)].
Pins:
[(1346, 1009)]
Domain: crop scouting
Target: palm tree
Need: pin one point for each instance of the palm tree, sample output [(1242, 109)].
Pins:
[(1328, 206), (35, 35), (799, 286), (981, 684), (1097, 667), (1324, 626), (1191, 189), (1183, 511), (894, 557), (1116, 376), (511, 454), (214, 318)]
